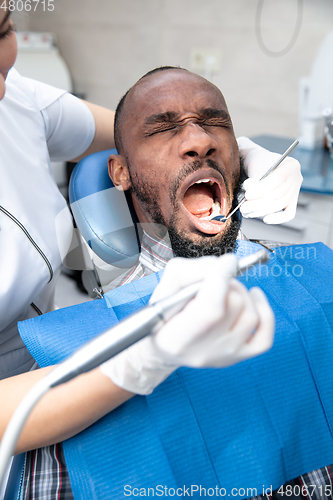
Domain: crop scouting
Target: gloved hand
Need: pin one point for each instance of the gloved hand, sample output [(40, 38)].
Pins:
[(278, 191), (222, 325)]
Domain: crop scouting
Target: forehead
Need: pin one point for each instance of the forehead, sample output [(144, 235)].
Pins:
[(178, 91)]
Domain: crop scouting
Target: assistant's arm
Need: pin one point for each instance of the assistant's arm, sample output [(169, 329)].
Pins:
[(103, 139), (64, 411), (75, 128)]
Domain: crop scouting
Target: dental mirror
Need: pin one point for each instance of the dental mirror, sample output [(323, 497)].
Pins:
[(223, 218)]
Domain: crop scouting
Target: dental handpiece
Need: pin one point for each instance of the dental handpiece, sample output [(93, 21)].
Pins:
[(223, 218), (135, 327)]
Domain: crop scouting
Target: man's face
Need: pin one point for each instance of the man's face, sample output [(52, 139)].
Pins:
[(181, 159)]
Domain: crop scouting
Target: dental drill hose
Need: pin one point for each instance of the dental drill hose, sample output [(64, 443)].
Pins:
[(105, 346)]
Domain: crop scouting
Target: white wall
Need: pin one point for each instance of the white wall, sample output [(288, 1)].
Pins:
[(109, 44)]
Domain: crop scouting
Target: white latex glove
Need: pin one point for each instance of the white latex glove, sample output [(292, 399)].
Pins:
[(278, 191), (222, 325)]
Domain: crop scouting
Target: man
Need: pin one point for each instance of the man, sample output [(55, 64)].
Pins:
[(178, 156), (183, 167), (182, 148)]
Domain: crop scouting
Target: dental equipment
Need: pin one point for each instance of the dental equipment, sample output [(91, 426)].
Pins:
[(223, 218), (105, 346)]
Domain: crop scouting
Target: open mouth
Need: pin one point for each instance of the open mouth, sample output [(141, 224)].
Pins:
[(202, 200)]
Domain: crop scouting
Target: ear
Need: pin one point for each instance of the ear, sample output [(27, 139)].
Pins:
[(118, 172)]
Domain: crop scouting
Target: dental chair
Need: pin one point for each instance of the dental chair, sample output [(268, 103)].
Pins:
[(106, 219)]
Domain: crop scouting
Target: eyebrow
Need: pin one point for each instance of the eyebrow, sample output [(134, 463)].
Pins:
[(172, 117), (5, 19)]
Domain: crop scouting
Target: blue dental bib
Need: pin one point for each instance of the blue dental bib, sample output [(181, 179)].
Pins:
[(254, 425)]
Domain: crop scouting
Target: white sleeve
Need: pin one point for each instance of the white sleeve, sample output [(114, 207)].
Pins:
[(69, 126)]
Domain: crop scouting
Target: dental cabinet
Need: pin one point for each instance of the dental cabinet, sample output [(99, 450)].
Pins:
[(314, 216)]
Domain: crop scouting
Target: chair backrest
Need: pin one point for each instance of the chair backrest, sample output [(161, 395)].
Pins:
[(103, 214)]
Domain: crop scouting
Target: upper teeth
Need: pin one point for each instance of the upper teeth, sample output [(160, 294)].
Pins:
[(205, 180)]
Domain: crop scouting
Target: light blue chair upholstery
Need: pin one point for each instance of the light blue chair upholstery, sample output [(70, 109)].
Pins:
[(104, 215)]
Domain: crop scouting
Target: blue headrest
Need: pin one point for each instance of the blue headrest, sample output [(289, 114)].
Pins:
[(102, 213)]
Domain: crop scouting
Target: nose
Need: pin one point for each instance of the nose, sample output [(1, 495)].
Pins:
[(196, 142)]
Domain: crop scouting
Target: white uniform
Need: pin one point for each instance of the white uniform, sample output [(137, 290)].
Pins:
[(36, 122)]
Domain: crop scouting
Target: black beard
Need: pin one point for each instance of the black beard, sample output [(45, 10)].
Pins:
[(209, 245), (183, 246)]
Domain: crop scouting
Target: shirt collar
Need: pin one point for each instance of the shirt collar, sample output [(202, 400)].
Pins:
[(155, 253)]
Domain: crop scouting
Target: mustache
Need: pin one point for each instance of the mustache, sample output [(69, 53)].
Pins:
[(190, 168)]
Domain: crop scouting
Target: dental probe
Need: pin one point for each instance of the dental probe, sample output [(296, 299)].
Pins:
[(114, 340), (223, 218)]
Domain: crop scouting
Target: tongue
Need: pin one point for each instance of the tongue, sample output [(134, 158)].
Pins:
[(198, 199)]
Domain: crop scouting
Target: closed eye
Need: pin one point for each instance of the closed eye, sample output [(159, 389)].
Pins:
[(8, 31), (216, 122), (165, 127), (162, 125)]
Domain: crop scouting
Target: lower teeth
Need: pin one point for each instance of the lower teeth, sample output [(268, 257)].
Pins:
[(216, 207)]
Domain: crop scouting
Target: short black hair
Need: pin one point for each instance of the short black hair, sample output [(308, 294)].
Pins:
[(120, 106)]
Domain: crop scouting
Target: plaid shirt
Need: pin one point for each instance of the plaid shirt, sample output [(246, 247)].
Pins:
[(46, 475), (45, 472)]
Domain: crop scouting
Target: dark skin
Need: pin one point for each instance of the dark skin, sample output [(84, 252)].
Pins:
[(176, 130)]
